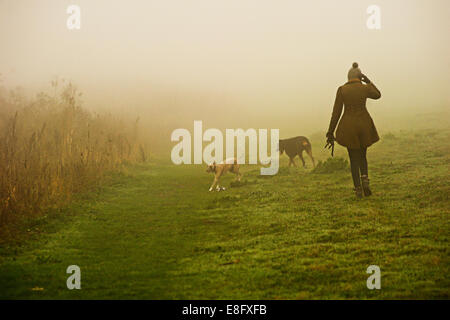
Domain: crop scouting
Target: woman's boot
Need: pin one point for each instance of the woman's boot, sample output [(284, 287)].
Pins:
[(365, 185), (358, 192)]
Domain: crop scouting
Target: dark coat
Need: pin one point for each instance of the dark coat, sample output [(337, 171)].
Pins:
[(356, 129)]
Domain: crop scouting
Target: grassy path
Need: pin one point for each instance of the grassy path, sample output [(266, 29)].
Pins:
[(157, 233)]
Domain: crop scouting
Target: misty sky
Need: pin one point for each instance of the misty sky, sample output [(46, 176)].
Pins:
[(262, 57)]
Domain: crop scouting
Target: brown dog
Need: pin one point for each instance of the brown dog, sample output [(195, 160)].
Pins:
[(296, 146), (229, 165)]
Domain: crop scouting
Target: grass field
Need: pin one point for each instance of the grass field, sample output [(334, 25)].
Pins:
[(156, 232)]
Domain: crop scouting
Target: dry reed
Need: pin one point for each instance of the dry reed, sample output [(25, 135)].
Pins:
[(51, 148)]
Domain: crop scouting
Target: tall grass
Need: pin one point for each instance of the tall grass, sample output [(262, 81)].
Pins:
[(51, 148)]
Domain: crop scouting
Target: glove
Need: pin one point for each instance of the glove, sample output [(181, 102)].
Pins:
[(330, 138), (365, 79), (330, 142)]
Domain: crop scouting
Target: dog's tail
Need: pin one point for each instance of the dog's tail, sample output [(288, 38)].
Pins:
[(308, 149)]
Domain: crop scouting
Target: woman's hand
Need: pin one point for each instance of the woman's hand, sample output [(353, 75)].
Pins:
[(365, 79), (330, 142)]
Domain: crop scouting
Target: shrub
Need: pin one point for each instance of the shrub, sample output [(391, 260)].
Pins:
[(331, 165)]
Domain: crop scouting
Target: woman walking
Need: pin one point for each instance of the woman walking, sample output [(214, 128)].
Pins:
[(356, 130)]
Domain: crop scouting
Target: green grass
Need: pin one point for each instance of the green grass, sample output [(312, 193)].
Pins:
[(156, 232)]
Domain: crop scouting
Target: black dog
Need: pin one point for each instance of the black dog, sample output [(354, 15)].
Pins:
[(294, 147)]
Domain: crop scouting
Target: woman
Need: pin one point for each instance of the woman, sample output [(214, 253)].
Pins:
[(356, 130)]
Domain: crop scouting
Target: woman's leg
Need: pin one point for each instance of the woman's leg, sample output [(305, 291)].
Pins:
[(363, 165), (355, 160), (364, 173)]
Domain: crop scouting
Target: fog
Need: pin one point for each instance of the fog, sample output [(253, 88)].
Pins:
[(232, 63)]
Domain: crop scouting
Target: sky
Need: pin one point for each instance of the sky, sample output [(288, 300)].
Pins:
[(260, 63)]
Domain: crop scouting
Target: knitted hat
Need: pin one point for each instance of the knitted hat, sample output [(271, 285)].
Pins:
[(354, 72)]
